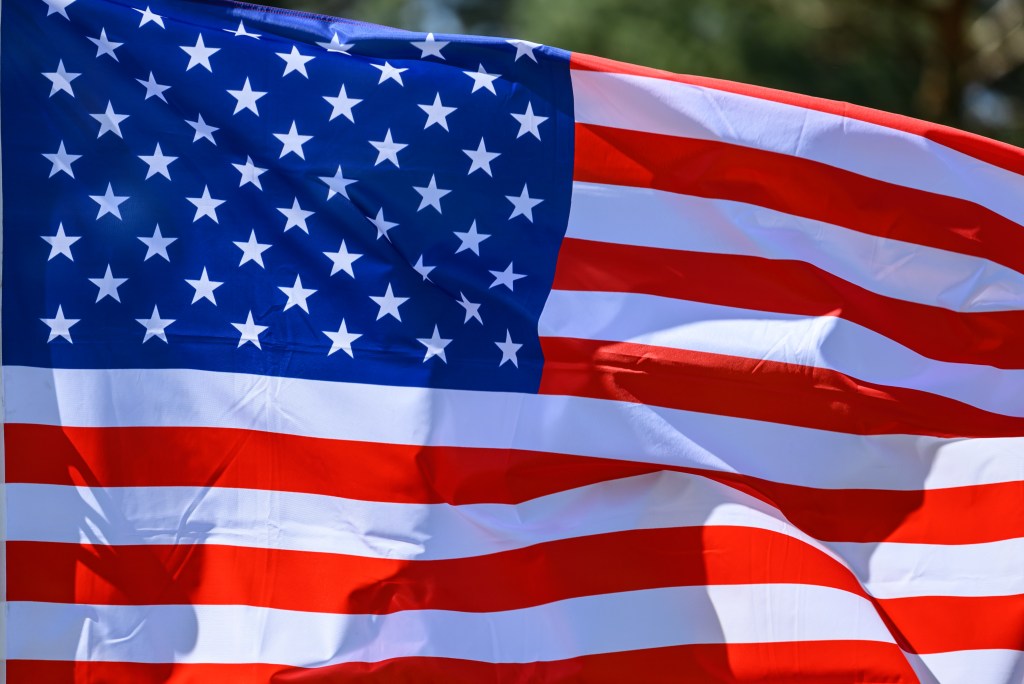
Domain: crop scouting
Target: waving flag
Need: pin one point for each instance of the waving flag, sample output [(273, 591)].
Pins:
[(334, 352)]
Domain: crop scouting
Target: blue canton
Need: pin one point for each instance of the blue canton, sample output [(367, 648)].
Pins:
[(227, 187)]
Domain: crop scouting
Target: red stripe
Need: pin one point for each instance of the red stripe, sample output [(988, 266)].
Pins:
[(141, 457), (249, 459), (707, 168), (987, 150), (991, 338), (957, 515), (961, 623), (757, 389), (565, 569), (815, 662), (334, 583)]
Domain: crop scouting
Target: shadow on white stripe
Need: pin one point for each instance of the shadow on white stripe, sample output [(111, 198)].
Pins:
[(991, 666), (555, 631), (569, 425), (403, 531)]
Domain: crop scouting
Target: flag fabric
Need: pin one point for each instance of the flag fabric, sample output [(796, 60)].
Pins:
[(334, 352)]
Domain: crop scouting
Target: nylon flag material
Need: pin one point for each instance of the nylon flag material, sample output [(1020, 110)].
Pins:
[(336, 353)]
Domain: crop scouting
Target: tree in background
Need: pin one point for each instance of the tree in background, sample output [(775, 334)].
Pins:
[(959, 62)]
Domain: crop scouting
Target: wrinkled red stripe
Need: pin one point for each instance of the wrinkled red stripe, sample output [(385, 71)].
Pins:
[(584, 566), (225, 457), (990, 338), (813, 662), (757, 389), (719, 170), (334, 583)]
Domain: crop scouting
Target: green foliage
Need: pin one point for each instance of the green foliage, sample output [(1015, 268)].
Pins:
[(833, 50), (909, 56)]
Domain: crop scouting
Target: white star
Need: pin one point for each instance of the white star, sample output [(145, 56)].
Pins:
[(524, 47), (155, 325), (389, 304), (153, 89), (158, 163), (528, 122), (240, 32), (389, 72), (430, 47), (337, 184), (382, 225), (296, 216), (509, 349), (506, 277), (422, 268), (148, 16), (105, 46), (60, 326), (109, 202), (58, 6), (435, 346), (387, 149), (523, 205), (482, 79), (157, 245), (342, 339), (431, 195), (108, 285), (61, 80), (252, 250), (471, 240), (205, 205), (249, 331), (342, 260), (292, 142), (199, 54), (250, 173), (62, 161), (297, 295), (472, 310), (335, 45), (481, 159), (246, 98), (203, 130), (294, 61), (110, 121), (342, 105), (204, 288), (60, 243), (437, 113)]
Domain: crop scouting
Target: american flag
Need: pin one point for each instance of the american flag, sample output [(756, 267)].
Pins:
[(334, 352)]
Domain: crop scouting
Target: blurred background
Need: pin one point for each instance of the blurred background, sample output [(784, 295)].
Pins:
[(958, 62)]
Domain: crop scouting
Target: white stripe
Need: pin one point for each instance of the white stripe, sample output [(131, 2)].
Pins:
[(565, 629), (666, 107), (988, 666), (309, 522), (898, 570), (915, 273), (823, 342), (570, 425)]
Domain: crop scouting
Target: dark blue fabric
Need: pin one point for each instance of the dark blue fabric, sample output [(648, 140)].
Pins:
[(202, 336)]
